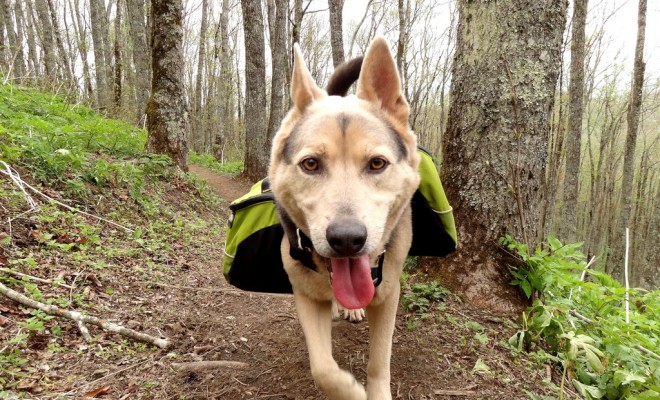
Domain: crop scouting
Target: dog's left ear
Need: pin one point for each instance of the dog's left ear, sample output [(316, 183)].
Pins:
[(379, 81), (303, 88)]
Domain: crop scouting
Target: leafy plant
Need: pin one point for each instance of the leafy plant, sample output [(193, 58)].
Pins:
[(420, 296), (583, 323)]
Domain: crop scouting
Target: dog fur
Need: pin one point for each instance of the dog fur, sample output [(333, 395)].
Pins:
[(343, 170)]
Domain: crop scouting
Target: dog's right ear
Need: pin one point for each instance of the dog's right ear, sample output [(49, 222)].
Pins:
[(303, 88)]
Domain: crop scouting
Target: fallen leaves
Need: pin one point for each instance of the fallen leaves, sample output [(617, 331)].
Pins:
[(96, 393)]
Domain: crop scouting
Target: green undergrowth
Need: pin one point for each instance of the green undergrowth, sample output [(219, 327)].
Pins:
[(578, 321), (208, 161), (100, 221)]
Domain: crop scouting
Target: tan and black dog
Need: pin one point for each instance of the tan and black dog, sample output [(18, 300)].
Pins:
[(343, 171)]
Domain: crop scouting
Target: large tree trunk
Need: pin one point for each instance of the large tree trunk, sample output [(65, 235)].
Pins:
[(336, 32), (277, 15), (505, 70), (574, 138), (167, 112), (256, 144), (615, 266), (136, 17)]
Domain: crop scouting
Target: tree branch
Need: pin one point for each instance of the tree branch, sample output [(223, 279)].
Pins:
[(81, 318), (206, 365)]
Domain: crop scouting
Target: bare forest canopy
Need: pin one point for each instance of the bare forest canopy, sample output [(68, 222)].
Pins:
[(97, 52)]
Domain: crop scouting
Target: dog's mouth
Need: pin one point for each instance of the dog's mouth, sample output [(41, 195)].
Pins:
[(351, 281)]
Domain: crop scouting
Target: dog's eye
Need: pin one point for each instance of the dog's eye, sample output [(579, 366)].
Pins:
[(310, 164), (377, 164)]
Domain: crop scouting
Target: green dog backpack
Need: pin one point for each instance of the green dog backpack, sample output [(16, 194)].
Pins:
[(252, 260)]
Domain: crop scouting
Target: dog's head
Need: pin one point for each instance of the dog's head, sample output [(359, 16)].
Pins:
[(344, 168)]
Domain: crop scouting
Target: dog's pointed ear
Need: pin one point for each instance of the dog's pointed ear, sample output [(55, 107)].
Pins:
[(303, 88), (379, 81)]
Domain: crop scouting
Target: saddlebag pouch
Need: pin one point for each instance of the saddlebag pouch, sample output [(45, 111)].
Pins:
[(252, 260)]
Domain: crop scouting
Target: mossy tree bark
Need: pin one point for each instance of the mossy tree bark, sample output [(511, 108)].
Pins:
[(167, 111), (504, 74)]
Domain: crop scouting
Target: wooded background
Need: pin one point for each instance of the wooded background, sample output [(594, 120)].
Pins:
[(536, 129)]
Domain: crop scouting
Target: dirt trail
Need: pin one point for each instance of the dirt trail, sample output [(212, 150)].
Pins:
[(453, 352), (228, 187)]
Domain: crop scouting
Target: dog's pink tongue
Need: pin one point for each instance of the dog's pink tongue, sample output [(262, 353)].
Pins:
[(351, 281)]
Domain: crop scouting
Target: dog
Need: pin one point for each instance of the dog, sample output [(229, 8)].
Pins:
[(343, 171)]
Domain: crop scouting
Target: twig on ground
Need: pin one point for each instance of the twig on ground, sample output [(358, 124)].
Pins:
[(34, 278), (84, 331), (216, 290), (22, 185), (464, 393), (80, 317), (199, 366)]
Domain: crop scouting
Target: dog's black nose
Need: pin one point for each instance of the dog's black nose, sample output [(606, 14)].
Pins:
[(347, 236)]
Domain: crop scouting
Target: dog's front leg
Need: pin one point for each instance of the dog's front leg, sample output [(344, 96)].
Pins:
[(382, 318), (316, 320)]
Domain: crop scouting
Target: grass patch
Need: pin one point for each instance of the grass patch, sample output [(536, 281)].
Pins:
[(208, 161)]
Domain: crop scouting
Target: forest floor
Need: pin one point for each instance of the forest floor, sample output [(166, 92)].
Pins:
[(176, 289)]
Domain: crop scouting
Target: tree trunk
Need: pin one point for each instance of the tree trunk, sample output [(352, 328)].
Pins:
[(404, 16), (615, 267), (224, 85), (503, 88), (574, 138), (67, 73), (15, 47), (136, 17), (167, 112), (81, 39), (256, 145), (46, 36), (336, 32), (30, 27), (102, 93), (277, 15), (198, 129), (117, 85)]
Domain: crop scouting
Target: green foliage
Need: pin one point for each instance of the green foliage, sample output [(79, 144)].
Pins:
[(71, 148), (421, 296), (584, 324), (208, 161)]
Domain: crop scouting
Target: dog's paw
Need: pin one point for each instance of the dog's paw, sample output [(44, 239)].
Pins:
[(354, 315)]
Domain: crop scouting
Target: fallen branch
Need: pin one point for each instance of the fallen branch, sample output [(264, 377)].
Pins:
[(34, 278), (22, 185), (80, 317), (199, 366), (229, 291)]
